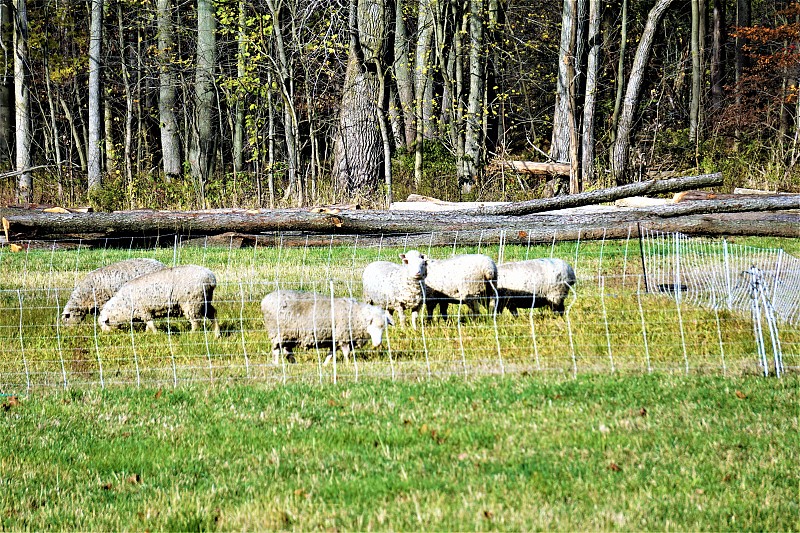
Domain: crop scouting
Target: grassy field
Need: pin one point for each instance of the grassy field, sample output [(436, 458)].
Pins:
[(182, 431), (514, 453), (612, 326)]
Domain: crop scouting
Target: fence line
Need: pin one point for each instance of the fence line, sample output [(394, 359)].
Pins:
[(664, 304)]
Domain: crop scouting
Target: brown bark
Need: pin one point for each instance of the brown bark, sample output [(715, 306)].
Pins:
[(605, 195), (697, 216)]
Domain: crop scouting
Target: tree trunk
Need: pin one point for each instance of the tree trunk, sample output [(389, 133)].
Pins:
[(472, 162), (560, 143), (6, 85), (94, 154), (294, 189), (423, 86), (620, 84), (238, 127), (619, 155), (403, 77), (127, 143), (743, 10), (572, 104), (167, 101), (700, 217), (203, 149), (589, 104), (358, 169), (22, 111), (697, 74), (717, 49), (603, 195)]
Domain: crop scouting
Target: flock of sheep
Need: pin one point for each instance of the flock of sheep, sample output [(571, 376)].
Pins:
[(144, 289)]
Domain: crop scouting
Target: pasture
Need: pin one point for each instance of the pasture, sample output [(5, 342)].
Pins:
[(612, 324), (599, 452), (632, 411)]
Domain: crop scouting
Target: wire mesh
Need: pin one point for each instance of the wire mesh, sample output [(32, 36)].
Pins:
[(671, 305)]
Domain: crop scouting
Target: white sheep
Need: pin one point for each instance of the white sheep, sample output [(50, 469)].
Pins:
[(534, 283), (462, 279), (303, 319), (397, 287), (99, 285), (186, 290)]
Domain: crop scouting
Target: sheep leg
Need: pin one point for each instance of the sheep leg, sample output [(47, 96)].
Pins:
[(414, 315), (401, 319), (344, 348), (277, 350), (151, 326), (473, 306)]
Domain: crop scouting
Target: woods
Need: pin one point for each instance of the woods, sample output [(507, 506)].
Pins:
[(285, 103)]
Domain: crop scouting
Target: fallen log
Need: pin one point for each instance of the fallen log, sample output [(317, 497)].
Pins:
[(642, 188), (535, 167), (35, 225), (518, 231), (705, 195)]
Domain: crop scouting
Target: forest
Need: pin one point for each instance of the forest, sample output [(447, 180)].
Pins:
[(126, 104)]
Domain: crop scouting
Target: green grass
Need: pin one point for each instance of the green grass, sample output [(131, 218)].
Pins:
[(36, 351), (520, 452)]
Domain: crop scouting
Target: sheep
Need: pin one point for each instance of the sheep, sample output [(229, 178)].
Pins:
[(534, 283), (99, 285), (397, 287), (297, 318), (466, 279), (186, 289)]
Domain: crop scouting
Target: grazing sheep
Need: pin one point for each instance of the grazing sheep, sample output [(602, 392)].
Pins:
[(186, 290), (99, 285), (397, 287), (296, 318), (466, 279), (534, 283)]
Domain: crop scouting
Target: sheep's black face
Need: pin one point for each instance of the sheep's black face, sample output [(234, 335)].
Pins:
[(72, 316)]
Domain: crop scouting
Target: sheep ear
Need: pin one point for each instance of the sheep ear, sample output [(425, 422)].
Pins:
[(388, 316)]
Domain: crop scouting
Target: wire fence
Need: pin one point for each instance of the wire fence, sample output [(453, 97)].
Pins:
[(639, 306)]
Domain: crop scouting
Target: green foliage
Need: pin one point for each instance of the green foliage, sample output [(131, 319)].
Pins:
[(439, 178)]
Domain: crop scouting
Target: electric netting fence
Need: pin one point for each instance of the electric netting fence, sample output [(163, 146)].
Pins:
[(636, 308), (762, 283)]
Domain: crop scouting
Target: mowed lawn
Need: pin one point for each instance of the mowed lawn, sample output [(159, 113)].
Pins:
[(651, 452)]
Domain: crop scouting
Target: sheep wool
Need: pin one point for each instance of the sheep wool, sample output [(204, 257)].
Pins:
[(534, 283), (183, 290), (99, 285), (314, 320), (466, 279), (397, 287)]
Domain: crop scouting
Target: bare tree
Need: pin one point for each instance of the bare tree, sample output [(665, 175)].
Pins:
[(22, 102), (359, 154), (697, 49), (472, 161), (94, 152), (170, 140), (717, 73), (203, 146), (6, 83), (590, 100), (619, 152)]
